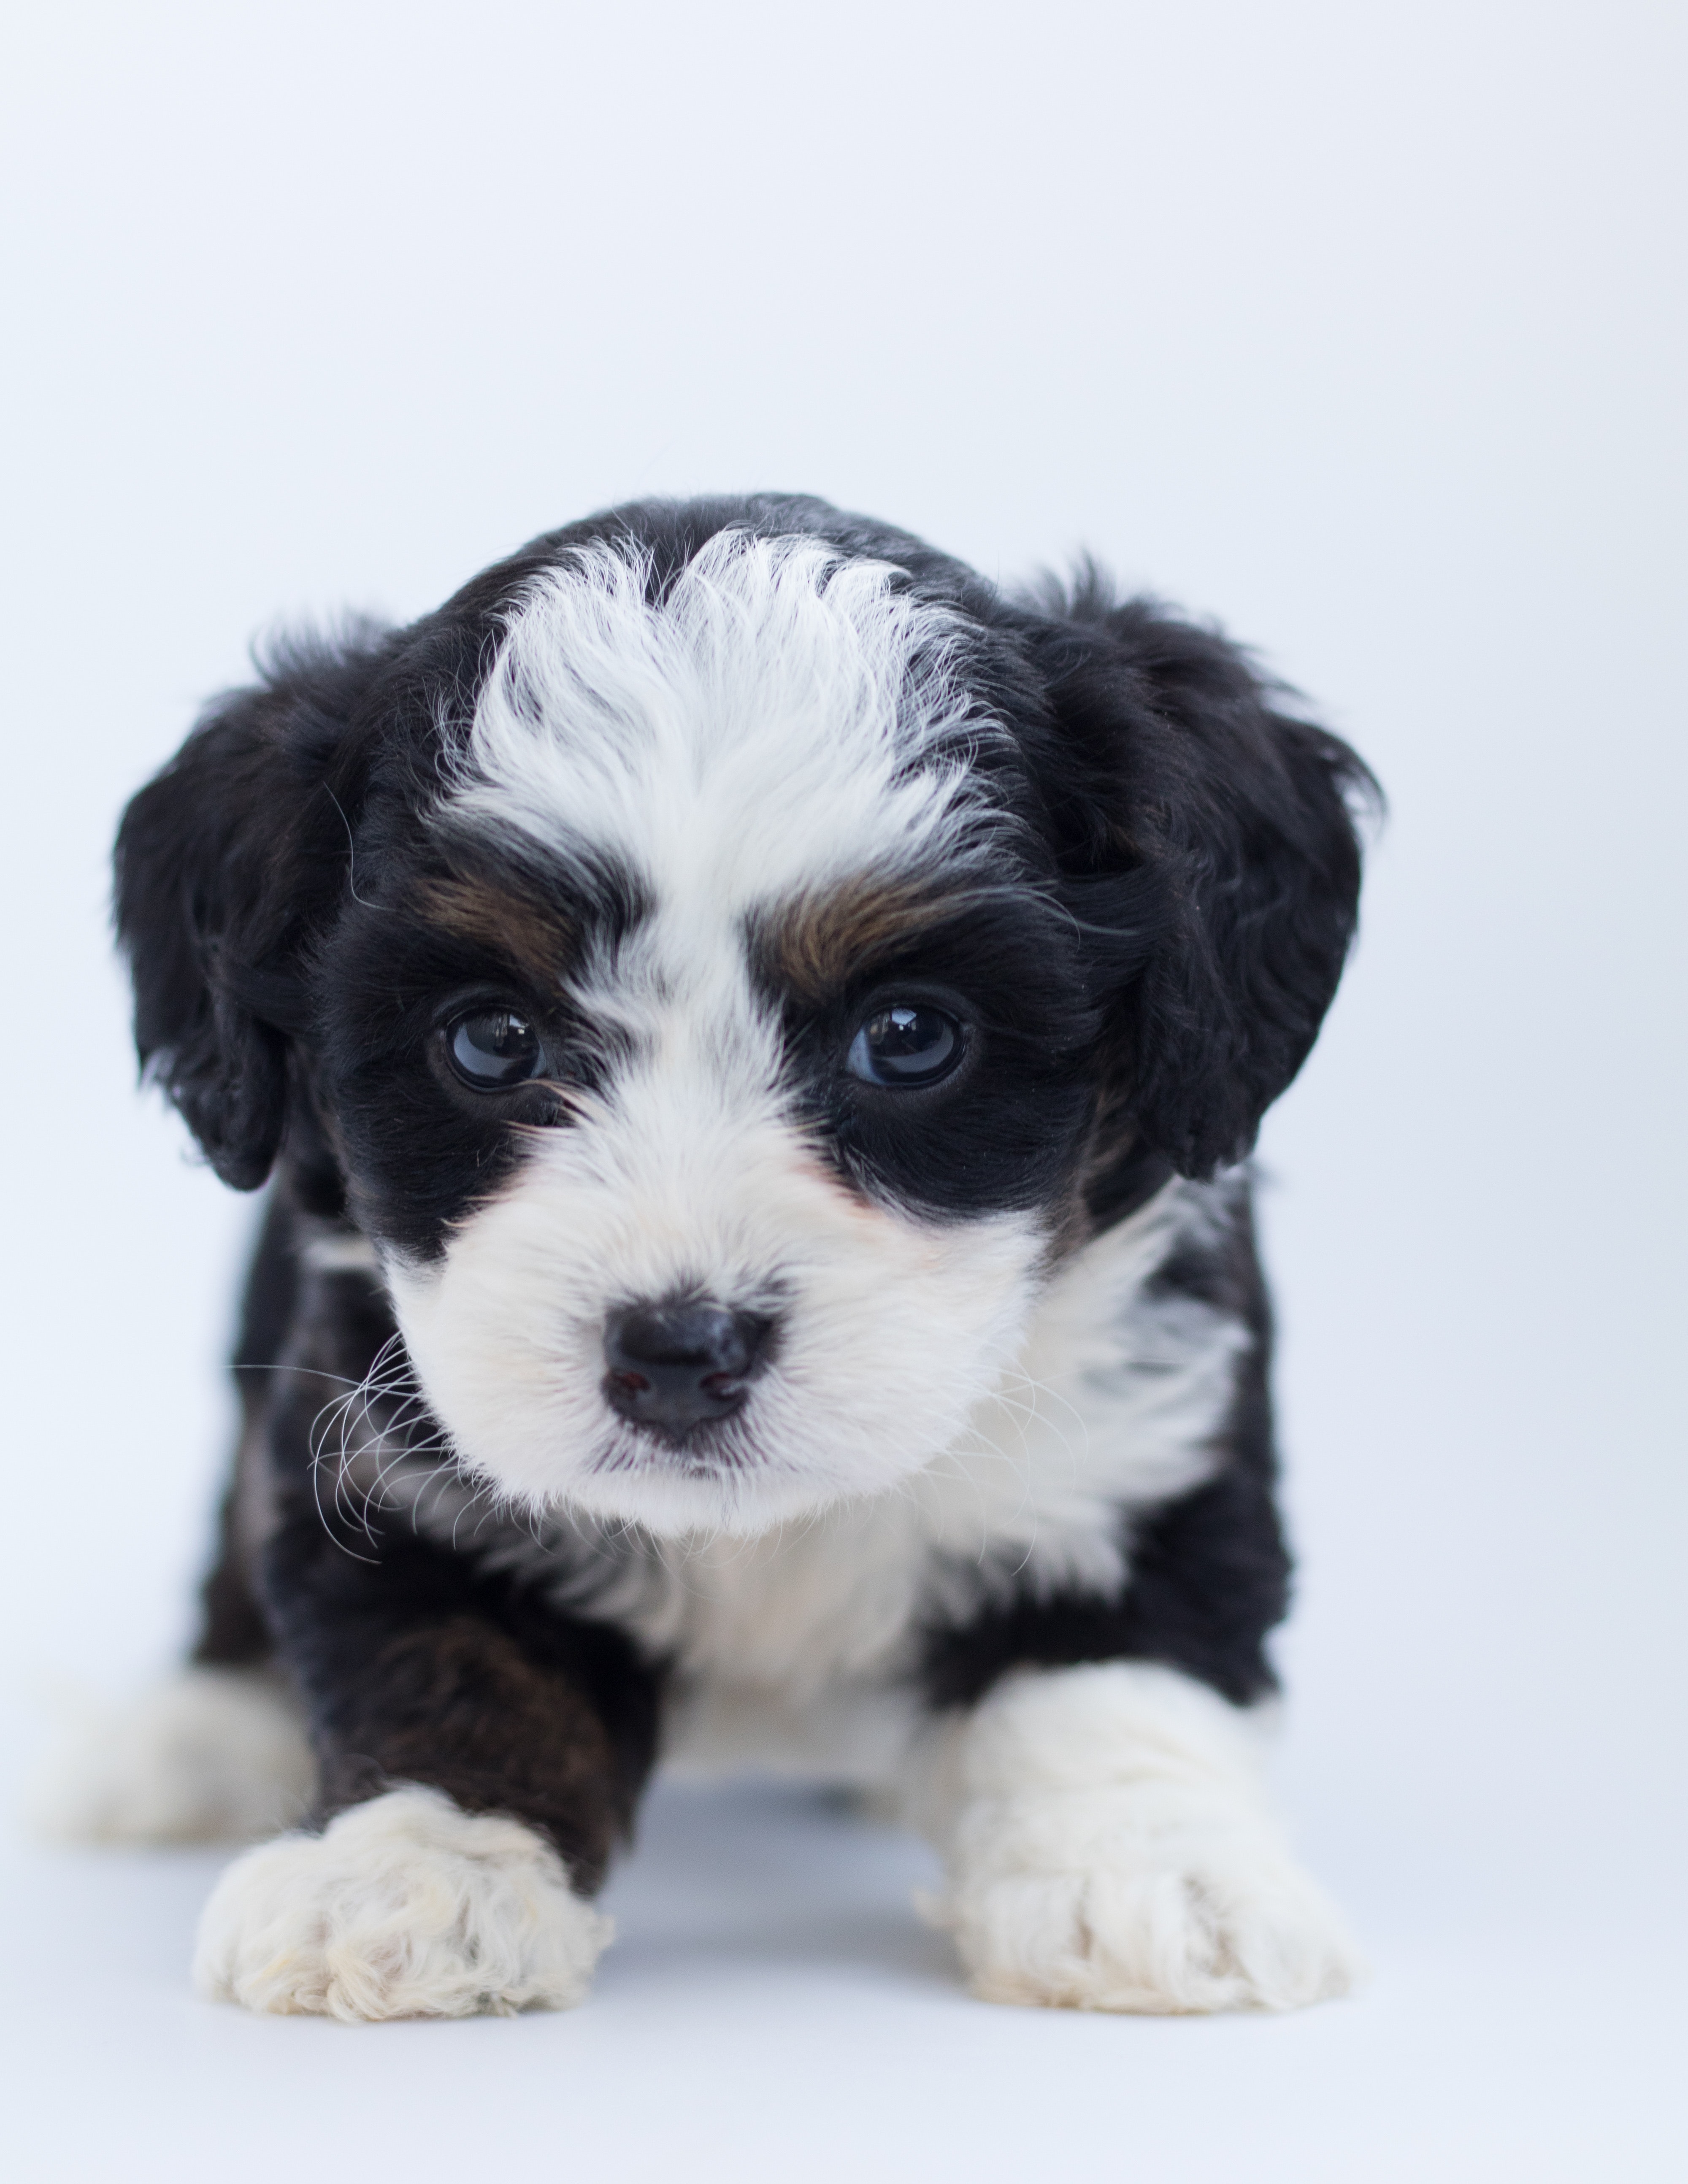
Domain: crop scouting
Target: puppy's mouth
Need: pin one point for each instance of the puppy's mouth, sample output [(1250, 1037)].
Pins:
[(702, 1448)]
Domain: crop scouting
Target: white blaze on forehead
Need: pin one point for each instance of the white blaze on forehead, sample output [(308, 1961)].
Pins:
[(782, 716)]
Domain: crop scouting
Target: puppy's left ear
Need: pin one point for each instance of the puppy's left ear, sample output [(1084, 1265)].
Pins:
[(224, 863), (1214, 859)]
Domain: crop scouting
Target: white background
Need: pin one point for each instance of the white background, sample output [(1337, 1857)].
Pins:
[(1357, 325)]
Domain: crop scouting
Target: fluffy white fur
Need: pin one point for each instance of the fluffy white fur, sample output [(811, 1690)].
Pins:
[(405, 1907), (215, 1755), (781, 719), (1111, 1846)]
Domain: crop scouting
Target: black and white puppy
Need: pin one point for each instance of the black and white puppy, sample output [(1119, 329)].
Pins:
[(754, 1032)]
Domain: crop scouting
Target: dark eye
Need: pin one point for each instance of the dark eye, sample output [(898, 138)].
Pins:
[(905, 1045), (492, 1047)]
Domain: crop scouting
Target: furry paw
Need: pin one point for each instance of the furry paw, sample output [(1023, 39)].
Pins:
[(1112, 1849), (1077, 1903), (405, 1907), (215, 1755)]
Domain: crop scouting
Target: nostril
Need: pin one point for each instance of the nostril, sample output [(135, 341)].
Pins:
[(673, 1365)]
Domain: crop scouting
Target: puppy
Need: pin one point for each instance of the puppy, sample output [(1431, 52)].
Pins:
[(755, 1033)]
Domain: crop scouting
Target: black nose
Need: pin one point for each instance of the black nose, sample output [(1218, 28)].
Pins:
[(673, 1365)]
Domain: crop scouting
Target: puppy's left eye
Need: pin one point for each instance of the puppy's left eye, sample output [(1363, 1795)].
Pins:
[(492, 1047), (905, 1045)]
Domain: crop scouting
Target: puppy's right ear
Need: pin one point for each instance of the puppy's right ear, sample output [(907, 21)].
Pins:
[(224, 863)]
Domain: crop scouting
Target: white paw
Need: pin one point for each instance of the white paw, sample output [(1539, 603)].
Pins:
[(405, 1907), (1086, 1902), (215, 1755), (1111, 1849)]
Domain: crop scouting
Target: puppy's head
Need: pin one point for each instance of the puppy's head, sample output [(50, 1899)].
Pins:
[(721, 961)]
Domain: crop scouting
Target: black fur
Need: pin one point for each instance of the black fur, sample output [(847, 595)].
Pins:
[(233, 1631)]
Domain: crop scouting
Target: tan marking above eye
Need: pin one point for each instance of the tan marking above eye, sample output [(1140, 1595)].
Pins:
[(536, 937), (813, 946)]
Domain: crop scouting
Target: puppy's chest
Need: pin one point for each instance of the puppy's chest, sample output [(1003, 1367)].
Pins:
[(795, 1651)]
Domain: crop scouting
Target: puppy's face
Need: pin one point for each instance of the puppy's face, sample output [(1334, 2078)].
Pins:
[(720, 960), (709, 1063)]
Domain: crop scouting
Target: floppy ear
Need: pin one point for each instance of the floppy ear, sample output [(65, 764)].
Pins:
[(1215, 863), (223, 862)]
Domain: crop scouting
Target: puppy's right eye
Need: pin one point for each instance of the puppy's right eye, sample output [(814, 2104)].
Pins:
[(490, 1049)]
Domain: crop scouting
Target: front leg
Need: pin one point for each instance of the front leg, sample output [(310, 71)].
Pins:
[(478, 1759), (1111, 1846)]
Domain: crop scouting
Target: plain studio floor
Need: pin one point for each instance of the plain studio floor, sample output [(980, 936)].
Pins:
[(774, 2009)]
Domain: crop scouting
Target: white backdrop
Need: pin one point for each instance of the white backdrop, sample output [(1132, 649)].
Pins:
[(1359, 327)]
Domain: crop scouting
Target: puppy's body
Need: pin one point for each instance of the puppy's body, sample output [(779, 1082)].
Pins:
[(757, 1031)]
